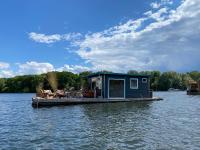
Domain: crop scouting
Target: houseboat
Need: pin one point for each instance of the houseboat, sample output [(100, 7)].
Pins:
[(104, 87), (120, 86), (193, 88)]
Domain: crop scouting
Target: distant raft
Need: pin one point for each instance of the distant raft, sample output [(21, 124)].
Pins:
[(193, 88)]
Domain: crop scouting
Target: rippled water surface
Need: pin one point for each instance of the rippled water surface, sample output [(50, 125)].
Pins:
[(173, 123)]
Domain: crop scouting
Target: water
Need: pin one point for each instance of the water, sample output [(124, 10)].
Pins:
[(173, 123)]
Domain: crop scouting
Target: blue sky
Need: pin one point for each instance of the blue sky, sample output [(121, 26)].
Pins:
[(50, 17), (74, 35)]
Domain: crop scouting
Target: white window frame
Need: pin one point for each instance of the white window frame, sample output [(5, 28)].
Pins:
[(130, 83), (109, 88), (144, 81)]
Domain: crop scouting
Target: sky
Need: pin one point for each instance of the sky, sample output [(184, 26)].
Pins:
[(93, 35)]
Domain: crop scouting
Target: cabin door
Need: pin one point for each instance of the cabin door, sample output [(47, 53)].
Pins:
[(116, 88)]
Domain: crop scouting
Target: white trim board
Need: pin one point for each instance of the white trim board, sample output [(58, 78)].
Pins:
[(137, 83)]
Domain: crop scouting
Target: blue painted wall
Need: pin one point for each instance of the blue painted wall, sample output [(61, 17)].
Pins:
[(142, 91)]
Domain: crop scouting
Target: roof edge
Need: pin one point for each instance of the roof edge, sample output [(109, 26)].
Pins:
[(112, 73)]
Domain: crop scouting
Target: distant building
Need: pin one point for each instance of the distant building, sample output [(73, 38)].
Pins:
[(120, 86)]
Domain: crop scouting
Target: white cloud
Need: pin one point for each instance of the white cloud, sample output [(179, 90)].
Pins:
[(164, 39), (159, 15), (33, 67), (4, 65), (6, 73), (166, 2), (43, 38), (71, 36), (156, 5), (141, 45), (74, 68)]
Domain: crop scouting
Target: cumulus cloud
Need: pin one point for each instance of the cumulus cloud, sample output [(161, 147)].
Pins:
[(160, 15), (4, 65), (43, 38), (156, 5), (165, 39), (6, 73), (71, 36), (33, 67), (74, 68), (5, 70)]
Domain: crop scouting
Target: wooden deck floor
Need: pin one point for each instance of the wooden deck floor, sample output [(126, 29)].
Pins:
[(38, 102)]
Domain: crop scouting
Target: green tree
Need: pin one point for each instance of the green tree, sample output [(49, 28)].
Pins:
[(2, 85), (66, 80), (134, 72), (195, 75), (154, 79)]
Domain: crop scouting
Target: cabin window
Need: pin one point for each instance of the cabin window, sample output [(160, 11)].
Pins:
[(134, 83), (144, 80)]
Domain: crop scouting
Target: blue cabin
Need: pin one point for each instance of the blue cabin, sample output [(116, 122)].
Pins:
[(120, 86)]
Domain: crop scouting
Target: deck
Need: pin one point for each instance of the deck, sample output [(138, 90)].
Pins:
[(193, 93), (41, 102)]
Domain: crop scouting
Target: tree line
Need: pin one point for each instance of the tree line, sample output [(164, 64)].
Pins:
[(171, 79), (159, 81)]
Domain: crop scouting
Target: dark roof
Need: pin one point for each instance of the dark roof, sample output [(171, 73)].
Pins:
[(117, 74)]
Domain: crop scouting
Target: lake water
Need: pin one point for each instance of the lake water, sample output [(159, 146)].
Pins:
[(173, 123)]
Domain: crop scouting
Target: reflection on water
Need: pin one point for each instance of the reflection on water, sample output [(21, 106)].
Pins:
[(116, 122), (169, 124)]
